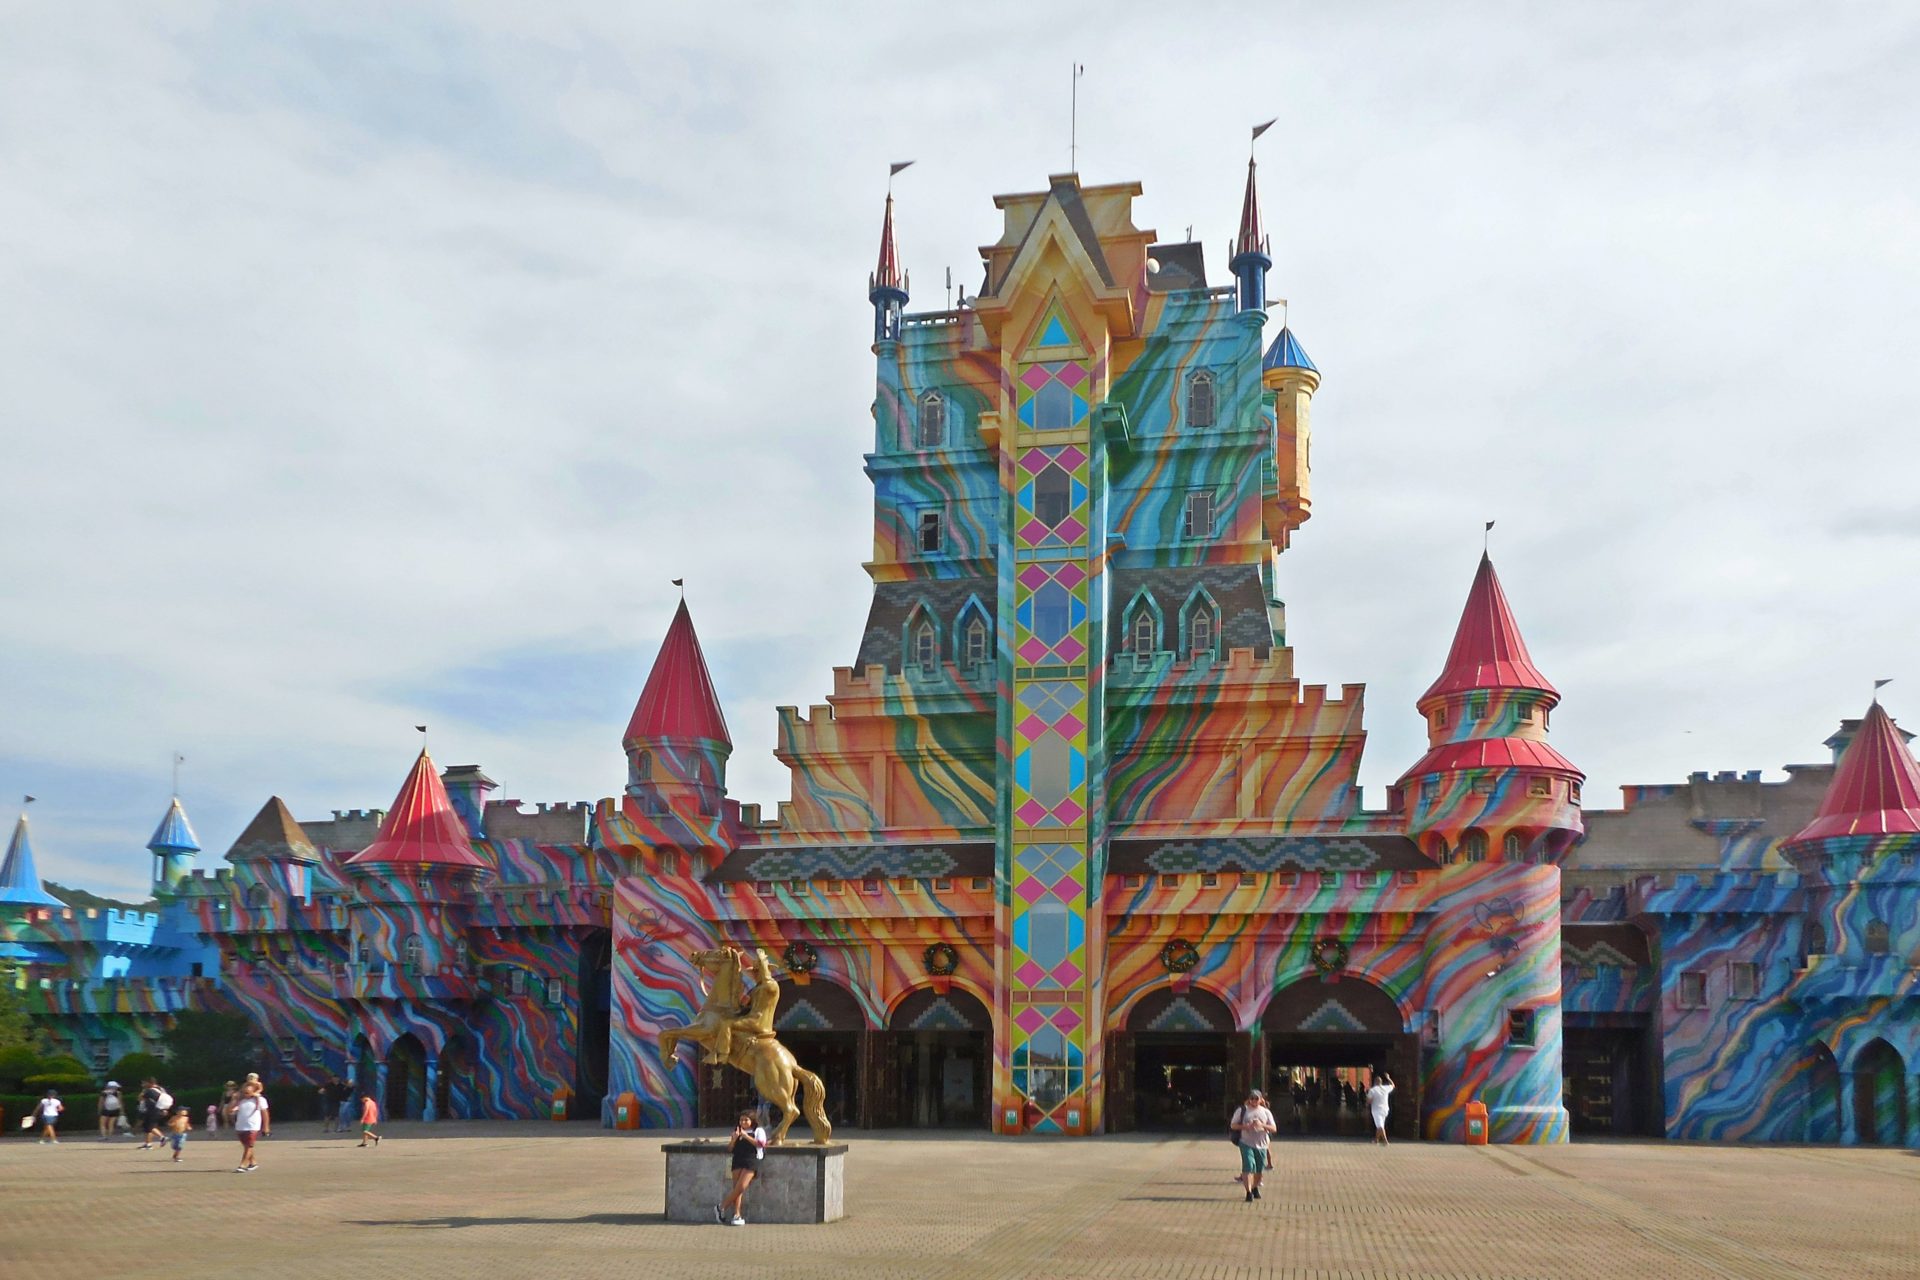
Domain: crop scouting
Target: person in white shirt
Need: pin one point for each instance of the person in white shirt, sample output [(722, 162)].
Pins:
[(747, 1146), (1377, 1104), (47, 1112), (1255, 1127), (250, 1123)]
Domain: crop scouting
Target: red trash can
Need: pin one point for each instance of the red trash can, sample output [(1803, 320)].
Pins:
[(561, 1097), (1476, 1123)]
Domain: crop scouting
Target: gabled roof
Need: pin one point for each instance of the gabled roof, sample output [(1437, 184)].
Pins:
[(886, 275), (679, 701), (1488, 652), (1285, 352), (273, 835), (422, 827), (1875, 788), (19, 878), (1251, 238), (175, 833)]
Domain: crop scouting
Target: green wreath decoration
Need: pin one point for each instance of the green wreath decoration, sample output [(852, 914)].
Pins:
[(941, 960), (1180, 956), (800, 957), (1330, 955)]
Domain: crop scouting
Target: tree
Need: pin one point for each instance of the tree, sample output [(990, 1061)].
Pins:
[(205, 1048), (15, 1031)]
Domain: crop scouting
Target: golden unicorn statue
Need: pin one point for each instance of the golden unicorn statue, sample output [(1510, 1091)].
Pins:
[(746, 1042)]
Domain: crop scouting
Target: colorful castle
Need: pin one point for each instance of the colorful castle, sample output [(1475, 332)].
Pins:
[(1069, 848)]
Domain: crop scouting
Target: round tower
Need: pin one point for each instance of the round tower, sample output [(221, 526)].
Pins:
[(1251, 260), (677, 748), (1290, 379), (173, 846), (1490, 788), (887, 286)]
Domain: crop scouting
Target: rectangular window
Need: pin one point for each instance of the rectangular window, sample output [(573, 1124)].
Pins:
[(942, 886), (1523, 711), (1209, 880), (1132, 882), (1053, 407), (982, 882), (1429, 791), (1483, 786), (1169, 882), (870, 886), (1573, 792), (932, 534), (1197, 520), (1440, 718), (1476, 708), (1520, 1027), (797, 887), (830, 886), (1743, 981), (556, 991), (1248, 879), (1539, 788), (199, 969), (1693, 990), (517, 982)]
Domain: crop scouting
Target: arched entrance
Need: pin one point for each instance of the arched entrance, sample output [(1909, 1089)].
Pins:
[(453, 1085), (1179, 1067), (939, 1054), (1880, 1095), (823, 1027), (406, 1079), (1823, 1095), (596, 1024), (1323, 1038)]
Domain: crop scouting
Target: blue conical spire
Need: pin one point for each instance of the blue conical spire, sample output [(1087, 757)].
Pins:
[(1285, 352), (175, 833), (19, 878)]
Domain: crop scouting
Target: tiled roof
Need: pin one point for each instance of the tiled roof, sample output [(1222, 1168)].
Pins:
[(1492, 753), (273, 834), (679, 701), (1488, 652)]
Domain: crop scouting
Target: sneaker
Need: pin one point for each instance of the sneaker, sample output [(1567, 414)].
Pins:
[(239, 1168), (1256, 1193), (738, 1222), (718, 1216)]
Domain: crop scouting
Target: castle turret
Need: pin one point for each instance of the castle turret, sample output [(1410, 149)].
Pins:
[(677, 744), (1868, 824), (273, 850), (19, 877), (1251, 261), (173, 846), (1490, 786), (1291, 379), (887, 286)]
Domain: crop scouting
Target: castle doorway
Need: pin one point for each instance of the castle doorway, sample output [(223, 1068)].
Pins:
[(1186, 1068), (822, 1025), (938, 1048), (453, 1083), (595, 1033), (1823, 1095), (406, 1079), (1880, 1095), (1323, 1038), (1608, 1067)]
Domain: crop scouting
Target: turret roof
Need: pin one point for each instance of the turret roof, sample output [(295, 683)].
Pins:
[(1488, 652), (273, 834), (1285, 352), (175, 833), (679, 700), (1875, 788), (422, 827), (886, 275), (1251, 239), (19, 878), (1492, 753)]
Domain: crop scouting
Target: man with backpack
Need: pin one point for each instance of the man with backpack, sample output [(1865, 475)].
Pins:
[(155, 1105)]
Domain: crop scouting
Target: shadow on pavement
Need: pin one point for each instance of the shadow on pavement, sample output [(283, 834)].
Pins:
[(585, 1219)]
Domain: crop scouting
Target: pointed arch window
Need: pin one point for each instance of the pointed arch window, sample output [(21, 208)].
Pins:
[(1202, 409), (1200, 635), (926, 648), (1145, 637), (1200, 625), (1879, 938), (1473, 845), (930, 425), (976, 650)]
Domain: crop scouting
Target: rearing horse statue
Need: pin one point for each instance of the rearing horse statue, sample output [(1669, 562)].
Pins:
[(746, 1042)]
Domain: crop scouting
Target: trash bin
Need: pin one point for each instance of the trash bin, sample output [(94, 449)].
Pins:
[(1476, 1123), (626, 1111), (561, 1098)]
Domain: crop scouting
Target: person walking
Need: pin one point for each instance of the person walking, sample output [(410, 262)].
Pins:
[(251, 1122), (329, 1110), (1254, 1124), (748, 1147), (369, 1117), (150, 1117), (1377, 1104), (177, 1125), (47, 1113), (111, 1106)]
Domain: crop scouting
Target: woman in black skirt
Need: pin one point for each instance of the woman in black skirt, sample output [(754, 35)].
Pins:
[(748, 1143)]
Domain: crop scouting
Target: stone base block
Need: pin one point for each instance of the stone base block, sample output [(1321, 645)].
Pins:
[(796, 1183)]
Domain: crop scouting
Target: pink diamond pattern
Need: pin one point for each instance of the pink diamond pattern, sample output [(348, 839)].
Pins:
[(1033, 531), (1034, 576), (1070, 575), (1032, 890), (1070, 649), (1070, 457), (1073, 374), (1066, 973), (1068, 888), (1069, 726), (1036, 377), (1072, 529), (1032, 727), (1069, 812), (1032, 649), (1030, 813), (1067, 1020), (1029, 1019)]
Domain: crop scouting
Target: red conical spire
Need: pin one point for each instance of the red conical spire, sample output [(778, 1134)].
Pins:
[(1251, 239), (422, 827), (1488, 652), (1876, 788), (887, 274), (679, 701)]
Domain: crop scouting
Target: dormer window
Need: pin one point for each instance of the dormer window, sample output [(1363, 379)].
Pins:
[(1144, 639), (976, 642), (930, 431), (1200, 400), (931, 532), (926, 649), (1200, 634)]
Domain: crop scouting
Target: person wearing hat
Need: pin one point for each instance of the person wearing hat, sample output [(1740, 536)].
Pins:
[(1253, 1124), (110, 1109)]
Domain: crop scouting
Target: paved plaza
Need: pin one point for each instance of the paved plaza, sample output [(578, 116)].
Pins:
[(509, 1200)]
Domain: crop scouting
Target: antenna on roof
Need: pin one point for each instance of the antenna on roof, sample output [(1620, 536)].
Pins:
[(949, 288), (1073, 122)]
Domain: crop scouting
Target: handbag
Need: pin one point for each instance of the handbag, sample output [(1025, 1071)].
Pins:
[(1233, 1134)]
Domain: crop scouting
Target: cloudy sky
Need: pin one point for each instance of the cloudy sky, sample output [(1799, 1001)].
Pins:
[(368, 364)]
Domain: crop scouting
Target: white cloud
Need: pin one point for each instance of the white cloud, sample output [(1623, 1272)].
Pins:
[(346, 352)]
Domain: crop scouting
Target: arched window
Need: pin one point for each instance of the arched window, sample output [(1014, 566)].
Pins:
[(1816, 938), (1473, 845), (1200, 624), (1200, 399), (1437, 849), (930, 431), (1879, 941), (256, 895), (1145, 631), (411, 952), (1200, 634), (642, 765), (926, 649), (1513, 846), (977, 650)]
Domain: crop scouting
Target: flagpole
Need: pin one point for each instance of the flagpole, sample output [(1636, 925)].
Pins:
[(1073, 124)]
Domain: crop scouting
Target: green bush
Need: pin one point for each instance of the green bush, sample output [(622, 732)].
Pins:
[(16, 1064), (66, 1082), (135, 1067)]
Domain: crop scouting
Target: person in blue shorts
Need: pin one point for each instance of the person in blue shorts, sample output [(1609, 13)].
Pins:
[(1254, 1123)]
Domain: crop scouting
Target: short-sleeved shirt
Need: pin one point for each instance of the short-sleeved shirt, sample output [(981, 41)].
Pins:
[(1256, 1138), (50, 1109), (1377, 1098), (248, 1113)]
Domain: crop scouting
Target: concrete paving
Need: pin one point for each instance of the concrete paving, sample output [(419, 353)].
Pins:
[(509, 1200)]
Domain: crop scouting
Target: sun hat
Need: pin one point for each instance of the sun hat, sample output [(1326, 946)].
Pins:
[(113, 1084)]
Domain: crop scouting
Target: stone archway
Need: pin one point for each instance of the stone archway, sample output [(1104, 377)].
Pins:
[(406, 1069), (1179, 1064), (1880, 1095), (1322, 1038), (933, 1066)]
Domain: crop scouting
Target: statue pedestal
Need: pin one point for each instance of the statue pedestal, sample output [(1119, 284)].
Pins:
[(796, 1183)]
